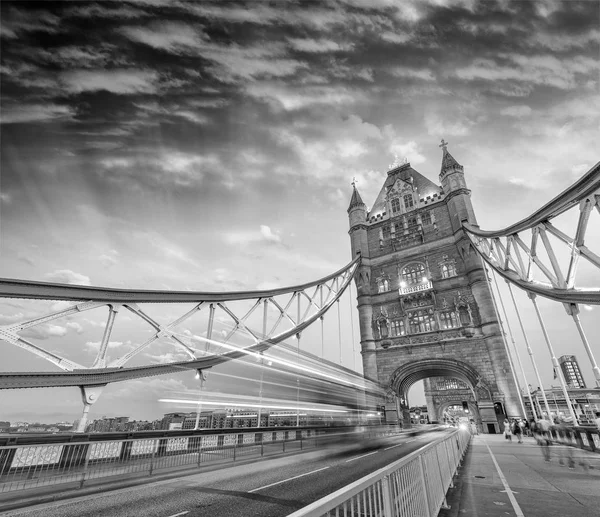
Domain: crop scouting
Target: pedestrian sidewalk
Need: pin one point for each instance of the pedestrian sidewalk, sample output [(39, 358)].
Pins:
[(502, 478)]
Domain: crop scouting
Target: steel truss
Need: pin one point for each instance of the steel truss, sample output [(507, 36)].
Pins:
[(292, 308), (509, 255)]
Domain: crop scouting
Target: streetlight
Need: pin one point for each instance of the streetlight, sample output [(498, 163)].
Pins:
[(201, 376)]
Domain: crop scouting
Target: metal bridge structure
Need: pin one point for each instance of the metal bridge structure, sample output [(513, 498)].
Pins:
[(533, 255)]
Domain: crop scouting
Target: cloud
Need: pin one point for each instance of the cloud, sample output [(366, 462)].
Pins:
[(120, 81), (95, 345), (66, 276), (25, 113), (168, 357), (73, 325), (24, 257), (263, 236), (516, 111), (107, 260), (177, 38), (160, 168), (44, 331), (235, 62), (5, 197), (394, 37), (543, 69), (424, 74), (291, 98), (5, 319), (268, 234), (409, 150), (317, 45)]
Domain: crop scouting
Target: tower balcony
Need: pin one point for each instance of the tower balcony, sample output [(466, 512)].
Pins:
[(426, 285)]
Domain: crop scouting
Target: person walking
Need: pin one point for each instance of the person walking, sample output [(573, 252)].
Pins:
[(597, 420), (507, 434), (541, 435), (516, 430)]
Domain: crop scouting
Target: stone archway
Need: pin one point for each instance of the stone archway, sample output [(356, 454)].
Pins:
[(409, 373)]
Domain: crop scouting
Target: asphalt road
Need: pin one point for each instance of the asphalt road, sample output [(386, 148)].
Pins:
[(269, 488)]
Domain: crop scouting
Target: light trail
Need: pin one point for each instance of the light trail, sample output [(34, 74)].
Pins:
[(290, 408)]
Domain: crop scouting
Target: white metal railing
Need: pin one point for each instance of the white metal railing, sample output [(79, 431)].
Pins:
[(415, 485), (31, 466), (425, 286)]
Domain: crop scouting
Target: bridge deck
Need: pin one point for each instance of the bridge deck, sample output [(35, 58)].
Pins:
[(535, 487)]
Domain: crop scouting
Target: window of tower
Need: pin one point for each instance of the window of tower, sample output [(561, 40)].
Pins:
[(426, 218), (421, 321), (386, 232), (448, 270), (383, 285), (383, 329), (448, 320), (395, 205), (408, 201), (398, 328), (413, 274)]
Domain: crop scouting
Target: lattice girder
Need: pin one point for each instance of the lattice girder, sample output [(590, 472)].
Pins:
[(291, 320), (508, 254)]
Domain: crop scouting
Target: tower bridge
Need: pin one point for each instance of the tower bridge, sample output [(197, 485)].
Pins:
[(427, 307)]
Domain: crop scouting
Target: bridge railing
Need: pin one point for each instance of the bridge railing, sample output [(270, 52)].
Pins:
[(415, 485), (33, 466), (587, 438)]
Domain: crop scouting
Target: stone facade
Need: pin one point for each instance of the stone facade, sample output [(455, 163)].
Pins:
[(425, 305)]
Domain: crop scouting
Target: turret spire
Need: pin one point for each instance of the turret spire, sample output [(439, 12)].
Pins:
[(448, 161), (356, 200)]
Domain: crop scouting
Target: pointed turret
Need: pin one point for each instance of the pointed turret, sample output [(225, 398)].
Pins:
[(355, 200), (357, 215), (449, 163), (452, 174), (452, 177)]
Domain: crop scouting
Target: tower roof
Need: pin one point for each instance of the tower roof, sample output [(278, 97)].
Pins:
[(356, 200), (405, 172), (448, 161)]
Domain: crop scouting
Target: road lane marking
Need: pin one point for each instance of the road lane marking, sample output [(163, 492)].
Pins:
[(397, 445), (286, 480), (180, 513), (359, 457), (509, 492)]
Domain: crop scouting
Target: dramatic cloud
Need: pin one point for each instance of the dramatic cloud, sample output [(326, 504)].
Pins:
[(66, 276), (35, 113), (211, 146), (126, 81)]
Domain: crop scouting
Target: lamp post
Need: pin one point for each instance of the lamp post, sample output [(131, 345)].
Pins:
[(201, 376)]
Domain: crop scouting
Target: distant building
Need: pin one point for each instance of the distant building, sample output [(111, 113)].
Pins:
[(4, 427), (571, 371), (585, 402)]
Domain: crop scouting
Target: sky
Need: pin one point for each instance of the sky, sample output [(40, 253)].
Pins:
[(211, 146)]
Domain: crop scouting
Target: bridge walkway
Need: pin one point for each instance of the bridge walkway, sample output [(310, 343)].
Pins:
[(501, 478)]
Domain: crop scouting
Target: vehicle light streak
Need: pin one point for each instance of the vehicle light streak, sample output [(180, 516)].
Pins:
[(246, 405)]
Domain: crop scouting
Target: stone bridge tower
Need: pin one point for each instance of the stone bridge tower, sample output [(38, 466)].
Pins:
[(425, 306)]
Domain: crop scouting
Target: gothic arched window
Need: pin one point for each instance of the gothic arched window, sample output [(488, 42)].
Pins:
[(383, 285), (413, 273), (465, 317), (383, 328), (426, 218), (398, 328), (395, 205), (448, 320), (448, 270), (421, 321), (408, 201)]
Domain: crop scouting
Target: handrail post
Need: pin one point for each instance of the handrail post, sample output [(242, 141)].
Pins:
[(387, 497), (424, 484), (154, 447), (85, 465)]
